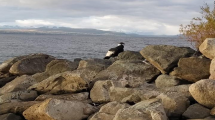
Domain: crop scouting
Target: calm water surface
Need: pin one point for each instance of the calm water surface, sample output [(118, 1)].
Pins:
[(75, 46)]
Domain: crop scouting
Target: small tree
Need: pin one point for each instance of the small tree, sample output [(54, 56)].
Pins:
[(200, 28)]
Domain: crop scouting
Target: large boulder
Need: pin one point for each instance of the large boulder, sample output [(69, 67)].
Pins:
[(207, 48), (130, 55), (163, 81), (135, 72), (203, 92), (196, 111), (18, 96), (145, 110), (31, 64), (54, 109), (165, 57), (108, 111), (192, 69), (66, 82), (10, 116), (174, 103), (19, 84), (16, 107), (212, 69)]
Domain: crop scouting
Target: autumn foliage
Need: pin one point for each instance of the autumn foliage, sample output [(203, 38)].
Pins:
[(200, 28)]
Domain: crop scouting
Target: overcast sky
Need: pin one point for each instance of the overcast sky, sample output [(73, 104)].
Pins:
[(135, 16)]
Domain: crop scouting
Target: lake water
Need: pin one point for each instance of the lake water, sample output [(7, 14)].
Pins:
[(75, 46)]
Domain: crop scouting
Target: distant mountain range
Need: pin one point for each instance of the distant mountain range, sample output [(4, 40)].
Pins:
[(55, 30), (65, 30)]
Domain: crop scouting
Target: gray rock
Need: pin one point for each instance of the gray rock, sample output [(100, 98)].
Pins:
[(135, 72), (31, 64), (192, 69), (196, 111), (54, 109), (18, 96), (203, 92), (66, 82), (10, 116), (207, 48), (164, 81), (19, 84), (130, 55), (165, 57), (145, 110), (5, 78), (16, 107)]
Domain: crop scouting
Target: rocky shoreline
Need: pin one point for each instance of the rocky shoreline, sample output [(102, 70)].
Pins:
[(161, 82)]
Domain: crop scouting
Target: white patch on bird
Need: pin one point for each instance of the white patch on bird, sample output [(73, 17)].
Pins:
[(109, 53)]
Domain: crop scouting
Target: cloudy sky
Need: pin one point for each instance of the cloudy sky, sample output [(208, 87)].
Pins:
[(135, 16)]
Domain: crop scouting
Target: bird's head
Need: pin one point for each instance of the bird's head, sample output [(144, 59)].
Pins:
[(121, 43)]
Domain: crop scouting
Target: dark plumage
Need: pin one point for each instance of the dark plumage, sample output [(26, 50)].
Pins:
[(113, 52)]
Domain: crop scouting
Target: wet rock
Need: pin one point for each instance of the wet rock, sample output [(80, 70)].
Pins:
[(18, 96), (145, 110), (164, 81), (196, 111), (165, 57), (174, 104), (192, 69), (203, 92), (10, 116), (31, 64), (130, 55), (108, 111), (135, 72), (54, 109), (66, 82), (19, 84), (16, 107), (207, 48)]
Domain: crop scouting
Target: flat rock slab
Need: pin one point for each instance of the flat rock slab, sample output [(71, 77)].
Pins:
[(54, 109), (66, 82), (130, 55), (165, 57), (196, 111), (192, 69)]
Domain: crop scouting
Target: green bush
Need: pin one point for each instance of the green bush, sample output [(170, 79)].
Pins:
[(200, 28)]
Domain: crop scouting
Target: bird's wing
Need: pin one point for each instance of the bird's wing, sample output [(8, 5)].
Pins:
[(109, 53)]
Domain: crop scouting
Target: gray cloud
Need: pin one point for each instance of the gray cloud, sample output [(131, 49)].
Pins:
[(137, 15)]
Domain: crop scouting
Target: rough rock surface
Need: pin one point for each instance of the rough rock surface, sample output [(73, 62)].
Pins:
[(192, 69), (174, 103), (212, 69), (165, 57), (76, 96), (10, 116), (16, 107), (164, 81), (135, 72), (145, 110), (54, 109), (31, 64), (196, 111), (108, 111), (19, 84), (203, 92), (5, 78), (207, 48), (18, 96), (130, 55), (66, 82)]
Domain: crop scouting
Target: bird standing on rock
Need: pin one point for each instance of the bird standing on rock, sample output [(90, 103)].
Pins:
[(113, 52)]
